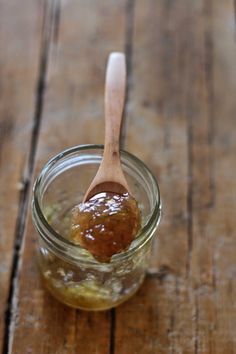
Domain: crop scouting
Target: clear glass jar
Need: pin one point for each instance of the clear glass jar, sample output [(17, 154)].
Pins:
[(68, 271)]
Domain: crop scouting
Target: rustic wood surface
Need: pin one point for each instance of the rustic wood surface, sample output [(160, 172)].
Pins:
[(20, 37), (179, 119)]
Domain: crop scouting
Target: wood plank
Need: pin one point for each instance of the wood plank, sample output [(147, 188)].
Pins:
[(74, 98), (149, 321), (214, 241), (204, 324), (158, 112), (210, 227), (88, 31), (19, 60), (157, 124)]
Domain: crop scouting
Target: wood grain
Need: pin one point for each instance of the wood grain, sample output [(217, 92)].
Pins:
[(184, 76), (157, 123), (214, 243), (19, 61), (159, 116)]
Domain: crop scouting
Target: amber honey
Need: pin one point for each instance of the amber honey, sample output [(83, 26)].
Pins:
[(106, 224)]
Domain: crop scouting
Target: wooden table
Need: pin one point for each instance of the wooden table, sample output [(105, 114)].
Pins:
[(180, 119)]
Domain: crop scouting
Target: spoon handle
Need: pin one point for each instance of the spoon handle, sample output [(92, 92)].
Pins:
[(114, 103), (110, 176)]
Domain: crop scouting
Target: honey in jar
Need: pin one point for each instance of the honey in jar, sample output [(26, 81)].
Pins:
[(106, 224)]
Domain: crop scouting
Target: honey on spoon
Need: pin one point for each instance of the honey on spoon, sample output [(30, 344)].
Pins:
[(109, 218)]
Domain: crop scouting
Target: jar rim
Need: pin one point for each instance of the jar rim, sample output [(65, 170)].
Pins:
[(38, 215)]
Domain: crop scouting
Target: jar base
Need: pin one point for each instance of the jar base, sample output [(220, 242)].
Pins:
[(80, 302)]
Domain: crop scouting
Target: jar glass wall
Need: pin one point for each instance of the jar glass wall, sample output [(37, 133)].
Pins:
[(69, 272)]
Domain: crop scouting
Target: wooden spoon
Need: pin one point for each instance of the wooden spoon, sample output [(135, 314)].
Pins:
[(110, 177), (107, 224)]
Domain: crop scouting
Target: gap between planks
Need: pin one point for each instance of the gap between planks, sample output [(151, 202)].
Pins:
[(235, 17), (208, 71), (130, 7)]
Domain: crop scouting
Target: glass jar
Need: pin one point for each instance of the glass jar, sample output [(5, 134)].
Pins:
[(68, 271)]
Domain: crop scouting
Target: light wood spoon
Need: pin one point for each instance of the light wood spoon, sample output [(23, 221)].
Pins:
[(110, 177)]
